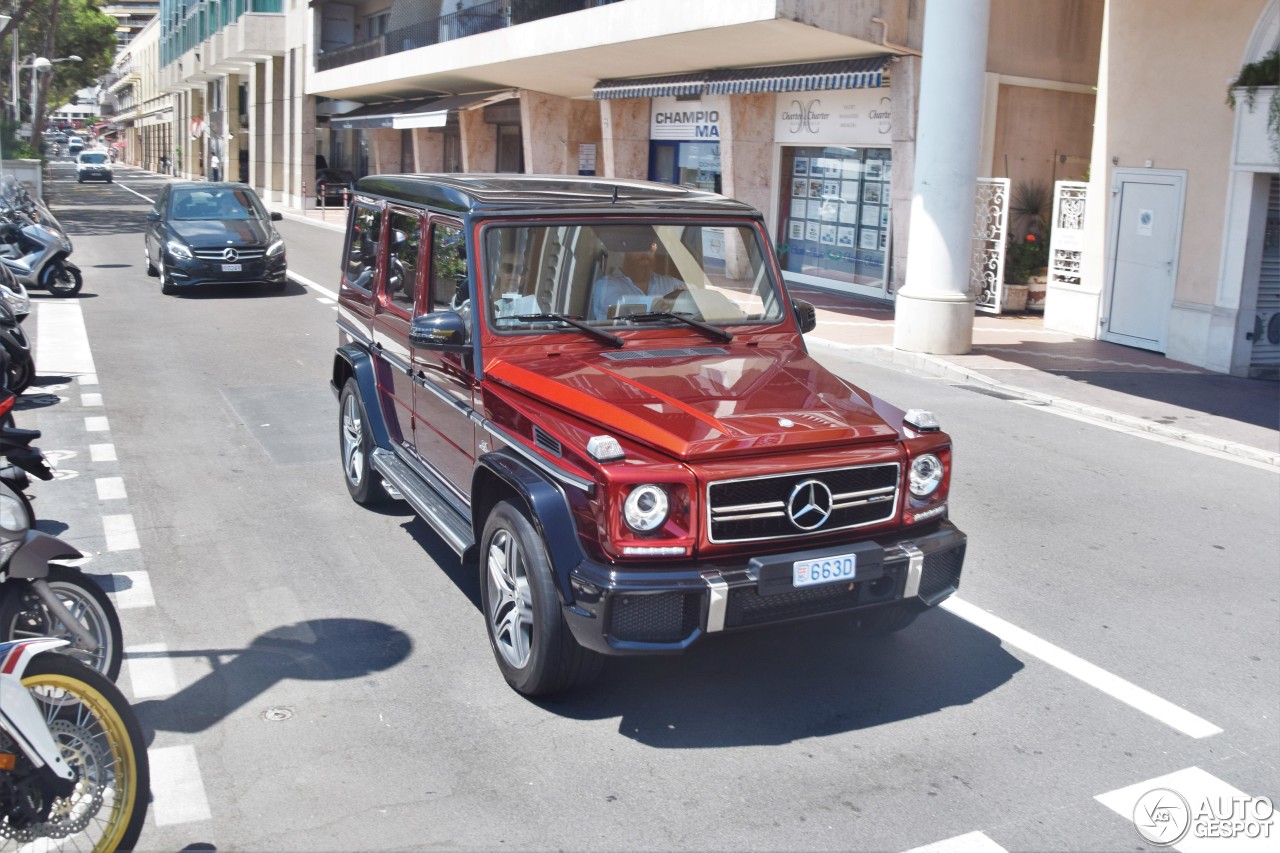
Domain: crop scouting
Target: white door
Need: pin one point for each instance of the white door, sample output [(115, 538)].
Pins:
[(1144, 238)]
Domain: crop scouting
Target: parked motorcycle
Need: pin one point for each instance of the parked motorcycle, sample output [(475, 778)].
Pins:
[(21, 458), (33, 245), (20, 366), (73, 762), (41, 599), (14, 294)]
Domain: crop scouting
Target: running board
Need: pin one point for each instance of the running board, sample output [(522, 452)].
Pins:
[(452, 527)]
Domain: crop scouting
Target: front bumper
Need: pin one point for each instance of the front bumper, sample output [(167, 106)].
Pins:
[(195, 272), (662, 612)]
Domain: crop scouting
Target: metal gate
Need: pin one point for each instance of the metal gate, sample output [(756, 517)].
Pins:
[(1066, 240), (990, 225), (1264, 363)]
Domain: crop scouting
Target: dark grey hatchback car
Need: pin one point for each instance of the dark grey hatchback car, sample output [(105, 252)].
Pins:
[(213, 233)]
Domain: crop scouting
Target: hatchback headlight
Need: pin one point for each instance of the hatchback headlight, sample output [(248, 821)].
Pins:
[(926, 475), (276, 248), (178, 250), (645, 509)]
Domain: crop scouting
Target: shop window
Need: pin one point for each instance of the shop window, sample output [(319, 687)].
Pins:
[(833, 213), (510, 148), (695, 165)]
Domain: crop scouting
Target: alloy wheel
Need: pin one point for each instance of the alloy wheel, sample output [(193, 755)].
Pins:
[(352, 441), (510, 600)]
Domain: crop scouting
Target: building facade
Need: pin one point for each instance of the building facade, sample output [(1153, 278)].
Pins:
[(804, 108)]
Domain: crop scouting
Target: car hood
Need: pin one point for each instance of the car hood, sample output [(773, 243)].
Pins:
[(218, 233), (715, 402)]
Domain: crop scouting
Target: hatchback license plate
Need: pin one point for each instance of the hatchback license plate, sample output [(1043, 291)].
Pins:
[(231, 268), (841, 567)]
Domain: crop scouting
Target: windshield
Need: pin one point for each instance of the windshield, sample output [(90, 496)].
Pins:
[(608, 274), (95, 157), (215, 203)]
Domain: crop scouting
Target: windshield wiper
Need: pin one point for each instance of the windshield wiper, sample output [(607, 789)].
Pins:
[(714, 332), (608, 337)]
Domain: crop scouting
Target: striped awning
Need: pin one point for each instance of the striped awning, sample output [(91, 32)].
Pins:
[(865, 72)]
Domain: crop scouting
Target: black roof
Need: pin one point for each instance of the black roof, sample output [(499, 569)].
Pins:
[(510, 193)]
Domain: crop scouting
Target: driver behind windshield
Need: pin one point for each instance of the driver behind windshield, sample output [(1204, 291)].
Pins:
[(634, 286)]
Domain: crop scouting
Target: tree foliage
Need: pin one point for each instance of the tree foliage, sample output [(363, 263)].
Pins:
[(80, 28)]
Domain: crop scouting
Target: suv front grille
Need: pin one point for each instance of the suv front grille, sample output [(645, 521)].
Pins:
[(762, 507), (217, 254)]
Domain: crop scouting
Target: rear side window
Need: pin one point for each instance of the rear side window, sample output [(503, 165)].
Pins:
[(402, 269), (363, 240), (448, 268)]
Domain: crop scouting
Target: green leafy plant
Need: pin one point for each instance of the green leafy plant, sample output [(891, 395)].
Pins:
[(1264, 72), (1030, 206), (1023, 257)]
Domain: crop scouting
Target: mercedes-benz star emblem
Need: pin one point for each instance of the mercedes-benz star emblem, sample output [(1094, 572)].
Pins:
[(809, 505), (230, 254)]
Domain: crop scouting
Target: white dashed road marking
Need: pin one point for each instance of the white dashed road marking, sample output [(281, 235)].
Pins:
[(1210, 815), (96, 424), (121, 534), (88, 400), (176, 788), (134, 592), (306, 282), (110, 488), (102, 452), (150, 671), (970, 842)]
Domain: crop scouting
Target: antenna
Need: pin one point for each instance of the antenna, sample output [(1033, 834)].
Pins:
[(615, 193)]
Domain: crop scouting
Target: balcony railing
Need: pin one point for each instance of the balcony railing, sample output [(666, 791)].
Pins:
[(471, 21)]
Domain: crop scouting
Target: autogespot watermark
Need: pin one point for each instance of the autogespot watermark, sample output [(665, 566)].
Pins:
[(1163, 817)]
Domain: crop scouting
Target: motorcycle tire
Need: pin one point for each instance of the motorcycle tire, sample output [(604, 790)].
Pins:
[(23, 616), (99, 736), (19, 374), (62, 280)]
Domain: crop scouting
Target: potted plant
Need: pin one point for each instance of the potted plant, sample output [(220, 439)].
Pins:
[(1262, 74)]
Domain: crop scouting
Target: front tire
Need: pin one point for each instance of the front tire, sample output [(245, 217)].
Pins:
[(63, 280), (99, 736), (356, 444), (166, 284), (151, 268), (23, 616), (532, 644)]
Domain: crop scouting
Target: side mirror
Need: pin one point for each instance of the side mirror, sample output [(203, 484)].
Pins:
[(443, 331), (806, 317), (152, 216), (276, 216)]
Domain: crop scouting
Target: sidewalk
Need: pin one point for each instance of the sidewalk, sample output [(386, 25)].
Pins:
[(1015, 357)]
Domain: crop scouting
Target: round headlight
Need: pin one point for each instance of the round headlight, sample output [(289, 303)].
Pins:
[(645, 508), (926, 474), (13, 515)]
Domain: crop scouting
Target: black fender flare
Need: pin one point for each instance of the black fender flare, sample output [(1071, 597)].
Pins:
[(548, 508), (359, 363), (33, 556)]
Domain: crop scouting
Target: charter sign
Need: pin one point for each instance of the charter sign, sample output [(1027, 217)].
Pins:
[(838, 117)]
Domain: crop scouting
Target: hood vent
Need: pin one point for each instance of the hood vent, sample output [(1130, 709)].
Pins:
[(682, 352), (547, 442)]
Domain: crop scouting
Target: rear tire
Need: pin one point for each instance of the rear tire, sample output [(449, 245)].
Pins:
[(23, 616), (533, 646)]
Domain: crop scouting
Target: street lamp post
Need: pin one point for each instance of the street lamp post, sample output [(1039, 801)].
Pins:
[(38, 64)]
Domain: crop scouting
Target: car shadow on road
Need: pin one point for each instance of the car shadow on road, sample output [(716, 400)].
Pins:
[(788, 683), (314, 650), (239, 291)]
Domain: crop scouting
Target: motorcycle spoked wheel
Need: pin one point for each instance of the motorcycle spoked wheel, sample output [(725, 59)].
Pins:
[(99, 736), (62, 280), (24, 616)]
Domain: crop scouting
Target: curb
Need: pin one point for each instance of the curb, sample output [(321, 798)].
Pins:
[(942, 368)]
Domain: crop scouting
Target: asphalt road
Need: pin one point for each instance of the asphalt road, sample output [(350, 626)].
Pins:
[(315, 676)]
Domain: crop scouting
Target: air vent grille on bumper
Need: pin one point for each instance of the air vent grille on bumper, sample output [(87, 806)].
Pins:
[(663, 618), (941, 573), (764, 507)]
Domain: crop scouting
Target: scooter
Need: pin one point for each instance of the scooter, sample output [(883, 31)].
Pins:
[(20, 367), (13, 294), (22, 460), (73, 761), (37, 255)]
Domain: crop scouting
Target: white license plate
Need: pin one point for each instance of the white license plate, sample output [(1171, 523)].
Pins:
[(841, 567), (231, 268)]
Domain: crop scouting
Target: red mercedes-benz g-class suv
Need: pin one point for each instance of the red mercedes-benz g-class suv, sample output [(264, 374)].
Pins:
[(598, 394)]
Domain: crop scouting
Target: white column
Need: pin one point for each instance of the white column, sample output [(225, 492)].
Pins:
[(934, 310)]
